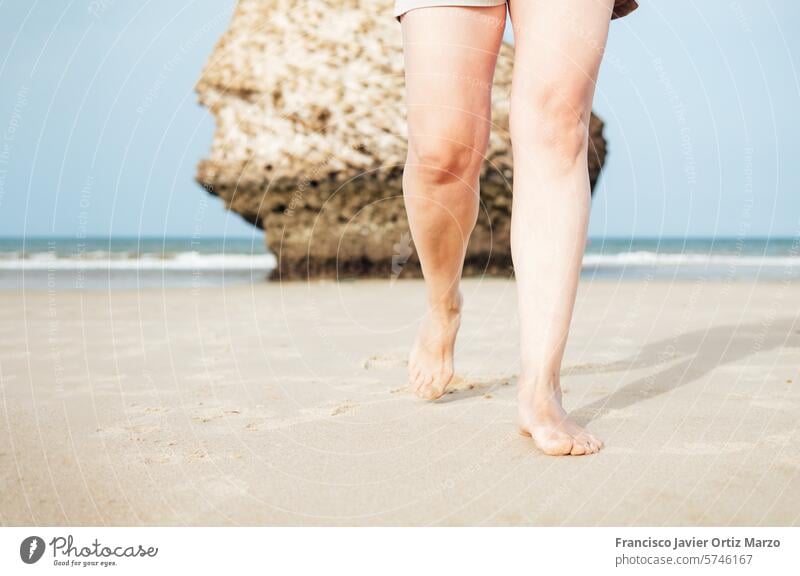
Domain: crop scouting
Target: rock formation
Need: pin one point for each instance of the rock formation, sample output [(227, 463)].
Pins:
[(311, 138)]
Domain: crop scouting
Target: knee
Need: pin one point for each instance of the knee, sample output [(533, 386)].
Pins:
[(440, 159), (553, 120)]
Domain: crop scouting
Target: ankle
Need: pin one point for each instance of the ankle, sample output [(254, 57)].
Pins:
[(542, 388), (446, 307)]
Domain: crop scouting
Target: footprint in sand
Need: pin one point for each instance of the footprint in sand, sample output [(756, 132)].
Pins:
[(459, 384), (160, 459), (207, 415), (385, 361), (344, 408), (156, 410)]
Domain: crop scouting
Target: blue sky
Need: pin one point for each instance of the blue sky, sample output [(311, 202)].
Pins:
[(100, 130)]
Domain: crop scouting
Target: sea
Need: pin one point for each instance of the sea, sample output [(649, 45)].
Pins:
[(68, 263)]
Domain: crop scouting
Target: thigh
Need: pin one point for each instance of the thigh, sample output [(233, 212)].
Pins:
[(559, 46), (450, 56)]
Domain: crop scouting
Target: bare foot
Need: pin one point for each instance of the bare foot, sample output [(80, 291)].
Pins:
[(542, 417), (430, 364)]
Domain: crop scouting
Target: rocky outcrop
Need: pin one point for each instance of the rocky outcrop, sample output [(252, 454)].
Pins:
[(311, 138)]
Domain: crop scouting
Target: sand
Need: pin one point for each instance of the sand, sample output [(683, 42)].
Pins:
[(285, 405)]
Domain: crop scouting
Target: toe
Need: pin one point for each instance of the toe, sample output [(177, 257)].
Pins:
[(578, 448), (424, 384), (432, 392), (438, 386), (594, 442), (585, 440), (554, 445), (413, 375), (416, 383)]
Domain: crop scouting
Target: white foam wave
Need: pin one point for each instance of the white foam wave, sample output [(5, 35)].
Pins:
[(193, 261), (185, 261), (643, 258)]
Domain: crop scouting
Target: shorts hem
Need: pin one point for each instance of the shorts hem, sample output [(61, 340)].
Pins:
[(405, 7)]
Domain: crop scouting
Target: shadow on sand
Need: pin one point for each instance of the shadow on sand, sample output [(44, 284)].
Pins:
[(686, 358)]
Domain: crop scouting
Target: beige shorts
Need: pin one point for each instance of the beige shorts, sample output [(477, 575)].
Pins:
[(621, 7)]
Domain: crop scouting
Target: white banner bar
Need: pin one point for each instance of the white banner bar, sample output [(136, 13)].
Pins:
[(401, 551)]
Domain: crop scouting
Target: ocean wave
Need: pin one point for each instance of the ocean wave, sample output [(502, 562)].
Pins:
[(194, 261), (185, 261), (644, 258)]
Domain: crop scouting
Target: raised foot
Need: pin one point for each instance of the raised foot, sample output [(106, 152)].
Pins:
[(553, 432), (430, 364)]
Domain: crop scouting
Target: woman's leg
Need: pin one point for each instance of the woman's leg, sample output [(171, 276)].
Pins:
[(450, 56), (559, 46)]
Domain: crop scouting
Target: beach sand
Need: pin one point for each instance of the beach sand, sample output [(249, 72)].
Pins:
[(284, 404)]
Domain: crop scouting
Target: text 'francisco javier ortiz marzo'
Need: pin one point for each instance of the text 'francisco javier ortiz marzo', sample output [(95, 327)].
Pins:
[(684, 543)]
